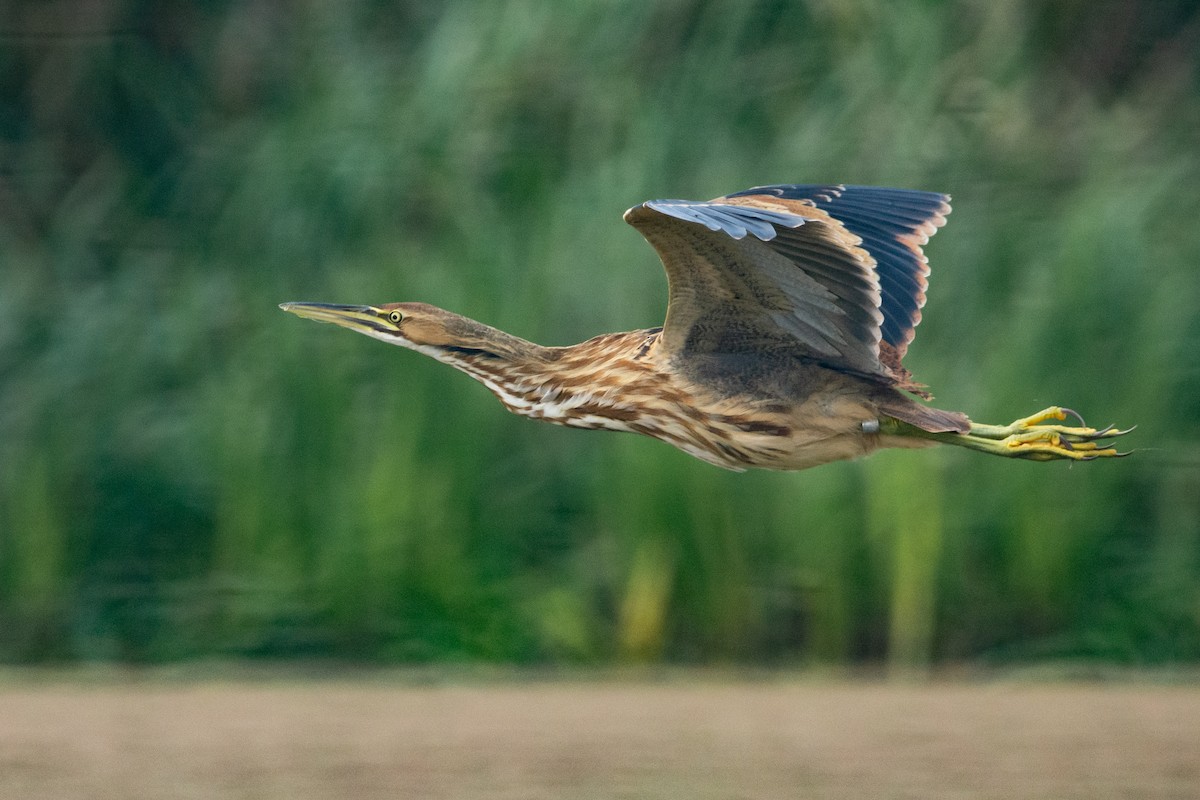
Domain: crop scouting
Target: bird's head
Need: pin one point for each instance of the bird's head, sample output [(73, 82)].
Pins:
[(427, 329)]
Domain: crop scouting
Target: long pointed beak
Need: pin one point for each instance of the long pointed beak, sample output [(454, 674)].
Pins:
[(364, 319)]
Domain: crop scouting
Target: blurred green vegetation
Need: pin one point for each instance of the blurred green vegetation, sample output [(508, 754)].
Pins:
[(185, 471)]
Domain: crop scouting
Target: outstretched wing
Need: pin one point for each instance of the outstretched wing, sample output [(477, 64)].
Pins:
[(829, 273)]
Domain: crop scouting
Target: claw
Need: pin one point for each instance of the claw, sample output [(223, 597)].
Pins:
[(1076, 415), (1042, 437)]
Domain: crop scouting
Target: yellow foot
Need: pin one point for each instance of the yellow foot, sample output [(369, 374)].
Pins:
[(1029, 438)]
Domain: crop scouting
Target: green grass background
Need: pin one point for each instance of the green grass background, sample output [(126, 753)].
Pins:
[(186, 472)]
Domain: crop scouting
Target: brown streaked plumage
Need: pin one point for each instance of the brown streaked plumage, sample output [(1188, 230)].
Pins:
[(791, 309)]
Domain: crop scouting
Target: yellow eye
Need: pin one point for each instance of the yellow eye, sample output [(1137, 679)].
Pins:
[(395, 317)]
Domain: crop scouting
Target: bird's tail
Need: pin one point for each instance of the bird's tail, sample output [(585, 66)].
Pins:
[(933, 420)]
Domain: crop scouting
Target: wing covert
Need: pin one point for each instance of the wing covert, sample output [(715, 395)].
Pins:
[(736, 221), (829, 273), (750, 280), (893, 224)]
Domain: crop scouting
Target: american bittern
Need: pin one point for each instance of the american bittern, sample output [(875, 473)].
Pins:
[(790, 310)]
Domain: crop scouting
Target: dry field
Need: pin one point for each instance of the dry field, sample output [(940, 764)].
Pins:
[(301, 739)]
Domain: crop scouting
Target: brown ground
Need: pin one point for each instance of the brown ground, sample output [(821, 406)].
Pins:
[(612, 739)]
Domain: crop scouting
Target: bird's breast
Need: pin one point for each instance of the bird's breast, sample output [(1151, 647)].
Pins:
[(613, 383)]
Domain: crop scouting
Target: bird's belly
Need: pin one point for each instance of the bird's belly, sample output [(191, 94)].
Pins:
[(730, 432), (822, 429)]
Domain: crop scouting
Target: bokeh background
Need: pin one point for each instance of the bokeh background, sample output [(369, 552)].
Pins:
[(186, 472)]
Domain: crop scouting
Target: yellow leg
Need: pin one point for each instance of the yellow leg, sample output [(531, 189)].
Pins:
[(1028, 438)]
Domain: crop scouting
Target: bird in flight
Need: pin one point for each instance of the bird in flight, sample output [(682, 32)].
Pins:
[(790, 311)]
